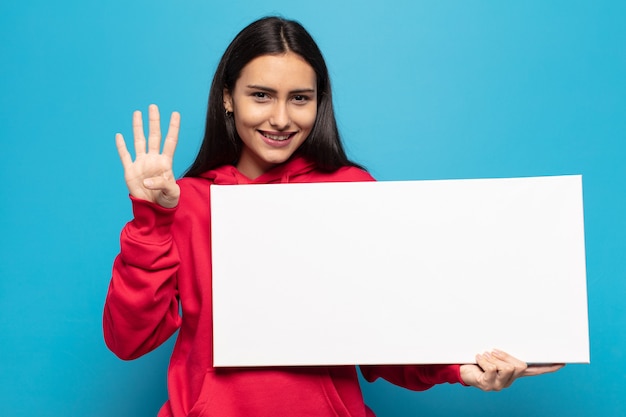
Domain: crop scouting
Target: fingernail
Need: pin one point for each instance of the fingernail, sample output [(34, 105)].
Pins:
[(148, 183)]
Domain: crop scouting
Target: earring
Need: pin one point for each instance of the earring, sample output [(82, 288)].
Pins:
[(228, 113)]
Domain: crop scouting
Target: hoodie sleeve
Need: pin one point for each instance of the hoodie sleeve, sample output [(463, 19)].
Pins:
[(414, 377), (141, 309)]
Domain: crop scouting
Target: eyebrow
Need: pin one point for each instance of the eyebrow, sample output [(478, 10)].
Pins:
[(273, 91)]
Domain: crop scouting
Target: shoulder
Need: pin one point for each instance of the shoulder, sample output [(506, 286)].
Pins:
[(355, 174), (343, 174)]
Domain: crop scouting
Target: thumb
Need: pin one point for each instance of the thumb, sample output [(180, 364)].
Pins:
[(168, 191)]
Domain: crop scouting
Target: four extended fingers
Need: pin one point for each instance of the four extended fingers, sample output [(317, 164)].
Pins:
[(149, 176)]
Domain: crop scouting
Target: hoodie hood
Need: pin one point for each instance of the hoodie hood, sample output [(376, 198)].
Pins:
[(282, 173)]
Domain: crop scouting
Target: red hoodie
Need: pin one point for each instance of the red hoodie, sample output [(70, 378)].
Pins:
[(165, 264)]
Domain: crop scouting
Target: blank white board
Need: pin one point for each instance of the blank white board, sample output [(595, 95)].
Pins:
[(401, 272)]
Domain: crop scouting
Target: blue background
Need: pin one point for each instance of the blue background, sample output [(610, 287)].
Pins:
[(423, 90)]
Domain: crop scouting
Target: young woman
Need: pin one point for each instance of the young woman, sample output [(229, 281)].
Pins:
[(270, 120)]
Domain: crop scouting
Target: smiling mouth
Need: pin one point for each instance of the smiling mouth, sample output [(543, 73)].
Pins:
[(277, 136)]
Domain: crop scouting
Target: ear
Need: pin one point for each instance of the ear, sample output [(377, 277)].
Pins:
[(228, 100)]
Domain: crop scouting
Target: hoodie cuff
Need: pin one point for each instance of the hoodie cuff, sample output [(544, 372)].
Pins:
[(457, 375), (437, 374), (152, 222)]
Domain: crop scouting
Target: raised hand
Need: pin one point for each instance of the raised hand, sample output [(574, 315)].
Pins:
[(150, 176), (497, 370)]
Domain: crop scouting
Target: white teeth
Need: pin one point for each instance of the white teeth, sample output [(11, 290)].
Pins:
[(276, 137)]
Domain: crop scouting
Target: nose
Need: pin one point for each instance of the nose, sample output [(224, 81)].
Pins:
[(280, 118)]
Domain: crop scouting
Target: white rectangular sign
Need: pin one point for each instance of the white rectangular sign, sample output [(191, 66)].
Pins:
[(400, 272)]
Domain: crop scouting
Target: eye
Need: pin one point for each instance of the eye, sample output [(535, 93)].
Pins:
[(260, 96), (301, 98)]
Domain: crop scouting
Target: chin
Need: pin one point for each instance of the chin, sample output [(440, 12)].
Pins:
[(278, 159)]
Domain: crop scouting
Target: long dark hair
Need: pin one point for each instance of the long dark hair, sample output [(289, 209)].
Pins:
[(268, 36)]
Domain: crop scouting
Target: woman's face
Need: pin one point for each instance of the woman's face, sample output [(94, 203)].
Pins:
[(274, 103)]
